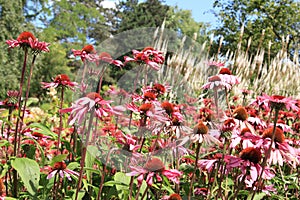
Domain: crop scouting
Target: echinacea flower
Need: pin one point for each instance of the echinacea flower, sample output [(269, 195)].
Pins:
[(27, 39), (248, 163), (154, 168), (148, 56), (216, 82), (88, 52), (12, 99), (201, 135), (62, 80), (61, 169), (85, 104), (106, 57), (277, 102)]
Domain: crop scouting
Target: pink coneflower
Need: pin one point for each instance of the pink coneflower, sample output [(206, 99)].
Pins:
[(106, 57), (62, 80), (240, 113), (154, 167), (216, 82), (277, 102), (12, 99), (248, 163), (62, 170), (85, 104), (149, 56), (27, 39), (201, 135), (88, 52), (159, 88)]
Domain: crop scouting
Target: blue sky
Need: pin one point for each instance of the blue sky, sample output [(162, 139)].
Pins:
[(200, 9)]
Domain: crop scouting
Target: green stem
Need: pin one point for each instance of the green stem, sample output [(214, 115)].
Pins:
[(194, 171), (258, 187)]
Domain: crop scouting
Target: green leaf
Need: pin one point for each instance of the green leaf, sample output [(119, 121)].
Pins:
[(42, 129), (4, 143), (91, 153), (58, 158), (258, 196), (29, 172)]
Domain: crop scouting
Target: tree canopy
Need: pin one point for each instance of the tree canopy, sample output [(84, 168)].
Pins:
[(274, 18)]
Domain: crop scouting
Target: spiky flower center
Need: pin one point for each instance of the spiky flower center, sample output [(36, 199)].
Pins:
[(277, 102), (145, 107), (225, 70), (252, 154), (149, 96), (228, 125), (61, 77), (200, 128), (88, 48), (25, 36), (279, 136), (94, 95), (159, 88), (240, 113), (175, 197), (154, 165), (168, 107), (60, 165)]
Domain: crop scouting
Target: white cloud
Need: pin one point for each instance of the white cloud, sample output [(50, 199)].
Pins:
[(109, 3)]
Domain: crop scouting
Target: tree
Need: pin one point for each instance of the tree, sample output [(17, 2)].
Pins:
[(278, 18), (12, 22)]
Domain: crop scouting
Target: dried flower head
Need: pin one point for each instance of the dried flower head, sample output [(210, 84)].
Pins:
[(252, 154)]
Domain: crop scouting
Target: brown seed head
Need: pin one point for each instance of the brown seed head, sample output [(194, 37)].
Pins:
[(252, 154), (175, 197), (145, 107), (168, 107), (200, 128), (154, 165), (240, 113), (60, 165), (94, 95), (149, 96), (61, 77), (279, 136)]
